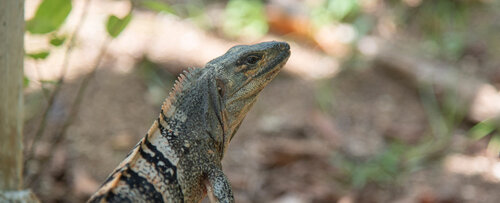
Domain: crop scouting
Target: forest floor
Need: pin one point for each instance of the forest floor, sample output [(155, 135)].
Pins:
[(290, 148)]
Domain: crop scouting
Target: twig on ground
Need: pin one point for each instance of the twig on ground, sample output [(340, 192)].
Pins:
[(474, 96)]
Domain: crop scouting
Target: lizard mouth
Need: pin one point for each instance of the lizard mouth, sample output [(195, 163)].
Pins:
[(269, 72), (275, 67)]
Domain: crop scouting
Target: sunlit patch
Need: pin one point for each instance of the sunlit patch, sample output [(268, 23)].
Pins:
[(496, 170), (486, 103), (487, 168)]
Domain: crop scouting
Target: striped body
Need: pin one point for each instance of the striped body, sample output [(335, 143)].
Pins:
[(179, 159)]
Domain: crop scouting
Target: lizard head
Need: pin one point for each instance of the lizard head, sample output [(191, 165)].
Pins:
[(241, 73)]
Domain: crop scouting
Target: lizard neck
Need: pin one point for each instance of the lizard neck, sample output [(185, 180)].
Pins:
[(191, 114)]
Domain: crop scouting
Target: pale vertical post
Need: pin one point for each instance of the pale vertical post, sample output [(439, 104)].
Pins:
[(11, 84), (11, 102)]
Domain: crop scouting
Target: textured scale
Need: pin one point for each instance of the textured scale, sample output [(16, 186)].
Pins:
[(179, 158)]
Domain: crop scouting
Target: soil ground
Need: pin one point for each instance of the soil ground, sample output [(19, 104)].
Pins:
[(287, 148)]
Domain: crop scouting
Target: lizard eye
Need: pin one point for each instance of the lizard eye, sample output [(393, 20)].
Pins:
[(252, 59)]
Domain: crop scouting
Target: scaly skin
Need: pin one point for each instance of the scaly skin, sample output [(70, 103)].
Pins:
[(179, 159)]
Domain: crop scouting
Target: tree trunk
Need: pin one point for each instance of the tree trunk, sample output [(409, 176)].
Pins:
[(11, 102)]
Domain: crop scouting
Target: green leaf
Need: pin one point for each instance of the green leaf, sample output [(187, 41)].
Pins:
[(158, 6), (360, 176), (494, 144), (245, 17), (49, 16), (48, 82), (339, 9), (482, 129), (26, 81), (115, 25), (38, 55), (57, 40)]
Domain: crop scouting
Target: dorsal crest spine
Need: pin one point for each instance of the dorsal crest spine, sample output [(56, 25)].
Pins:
[(184, 77)]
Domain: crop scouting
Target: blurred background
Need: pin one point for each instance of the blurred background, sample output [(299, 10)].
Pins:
[(380, 101)]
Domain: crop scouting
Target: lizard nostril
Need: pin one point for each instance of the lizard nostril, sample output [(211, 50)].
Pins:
[(284, 46)]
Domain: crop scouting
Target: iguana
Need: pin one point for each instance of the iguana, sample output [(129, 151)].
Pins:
[(179, 159)]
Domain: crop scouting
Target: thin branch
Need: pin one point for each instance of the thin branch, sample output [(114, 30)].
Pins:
[(75, 107), (39, 79), (57, 89)]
